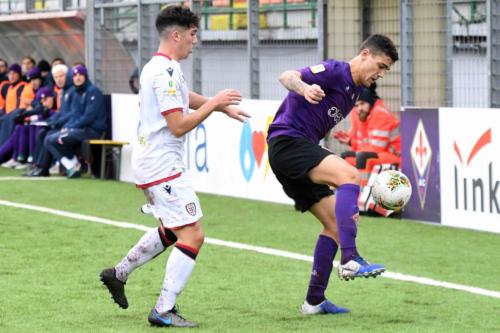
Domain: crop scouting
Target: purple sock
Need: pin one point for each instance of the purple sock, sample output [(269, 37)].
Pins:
[(325, 251), (346, 210)]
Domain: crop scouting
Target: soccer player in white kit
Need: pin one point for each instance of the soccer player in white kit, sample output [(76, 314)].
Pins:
[(159, 169)]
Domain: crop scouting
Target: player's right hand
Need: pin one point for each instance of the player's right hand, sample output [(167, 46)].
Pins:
[(342, 136), (313, 94), (227, 97)]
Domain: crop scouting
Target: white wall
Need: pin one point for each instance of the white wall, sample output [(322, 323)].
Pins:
[(223, 156)]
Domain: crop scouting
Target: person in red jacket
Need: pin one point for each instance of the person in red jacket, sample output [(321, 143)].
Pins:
[(374, 135)]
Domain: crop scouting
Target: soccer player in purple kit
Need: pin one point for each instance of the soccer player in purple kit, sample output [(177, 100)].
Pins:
[(319, 98)]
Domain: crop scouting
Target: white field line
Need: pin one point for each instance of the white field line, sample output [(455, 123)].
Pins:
[(259, 249), (32, 178)]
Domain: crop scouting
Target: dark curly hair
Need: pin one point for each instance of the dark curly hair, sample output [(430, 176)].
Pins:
[(176, 15), (380, 44)]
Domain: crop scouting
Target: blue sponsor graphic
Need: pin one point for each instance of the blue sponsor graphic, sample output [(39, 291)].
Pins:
[(200, 157), (201, 152), (247, 156)]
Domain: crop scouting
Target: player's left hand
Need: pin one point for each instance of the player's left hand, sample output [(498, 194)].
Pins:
[(236, 113)]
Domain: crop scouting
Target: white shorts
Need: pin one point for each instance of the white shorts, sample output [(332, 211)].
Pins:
[(174, 202)]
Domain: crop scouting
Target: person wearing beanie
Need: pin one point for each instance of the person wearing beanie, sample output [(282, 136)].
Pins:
[(88, 121), (21, 144), (45, 69), (11, 95), (374, 135), (44, 92), (81, 70), (34, 79)]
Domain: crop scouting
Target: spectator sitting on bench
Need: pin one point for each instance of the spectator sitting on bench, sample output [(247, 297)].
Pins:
[(11, 95), (17, 144), (88, 121), (21, 142), (64, 93), (374, 134)]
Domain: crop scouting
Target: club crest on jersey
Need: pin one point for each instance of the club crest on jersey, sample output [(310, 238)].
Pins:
[(317, 68), (191, 208), (170, 71)]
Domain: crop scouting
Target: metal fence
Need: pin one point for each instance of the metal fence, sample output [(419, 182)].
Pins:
[(449, 50), (243, 45)]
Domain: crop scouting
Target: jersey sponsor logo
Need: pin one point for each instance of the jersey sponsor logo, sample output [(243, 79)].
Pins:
[(143, 140), (317, 68), (170, 71), (171, 88), (335, 113), (191, 208)]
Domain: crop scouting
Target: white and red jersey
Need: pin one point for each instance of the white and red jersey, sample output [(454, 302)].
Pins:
[(158, 154)]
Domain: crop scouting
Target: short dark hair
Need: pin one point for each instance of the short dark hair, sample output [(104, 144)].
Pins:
[(57, 59), (4, 62), (380, 44), (176, 15), (30, 59)]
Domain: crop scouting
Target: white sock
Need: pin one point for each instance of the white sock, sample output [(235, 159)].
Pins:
[(148, 247), (69, 163), (179, 269)]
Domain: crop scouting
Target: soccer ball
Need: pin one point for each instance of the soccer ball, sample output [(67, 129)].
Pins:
[(391, 190)]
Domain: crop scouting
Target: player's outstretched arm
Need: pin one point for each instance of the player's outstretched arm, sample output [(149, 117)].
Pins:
[(179, 124), (292, 81), (196, 101)]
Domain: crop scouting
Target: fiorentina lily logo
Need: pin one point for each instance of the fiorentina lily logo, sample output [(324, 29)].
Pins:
[(421, 155)]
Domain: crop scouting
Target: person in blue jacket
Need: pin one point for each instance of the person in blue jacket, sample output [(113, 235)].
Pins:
[(87, 121)]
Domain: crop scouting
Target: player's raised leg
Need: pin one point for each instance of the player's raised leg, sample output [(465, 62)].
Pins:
[(334, 171), (324, 254), (151, 244), (180, 266)]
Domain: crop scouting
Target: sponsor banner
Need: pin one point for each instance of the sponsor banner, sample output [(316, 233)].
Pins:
[(125, 118), (470, 168), (228, 157), (223, 155), (419, 130)]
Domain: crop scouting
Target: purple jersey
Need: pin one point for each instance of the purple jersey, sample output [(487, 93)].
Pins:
[(296, 117)]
